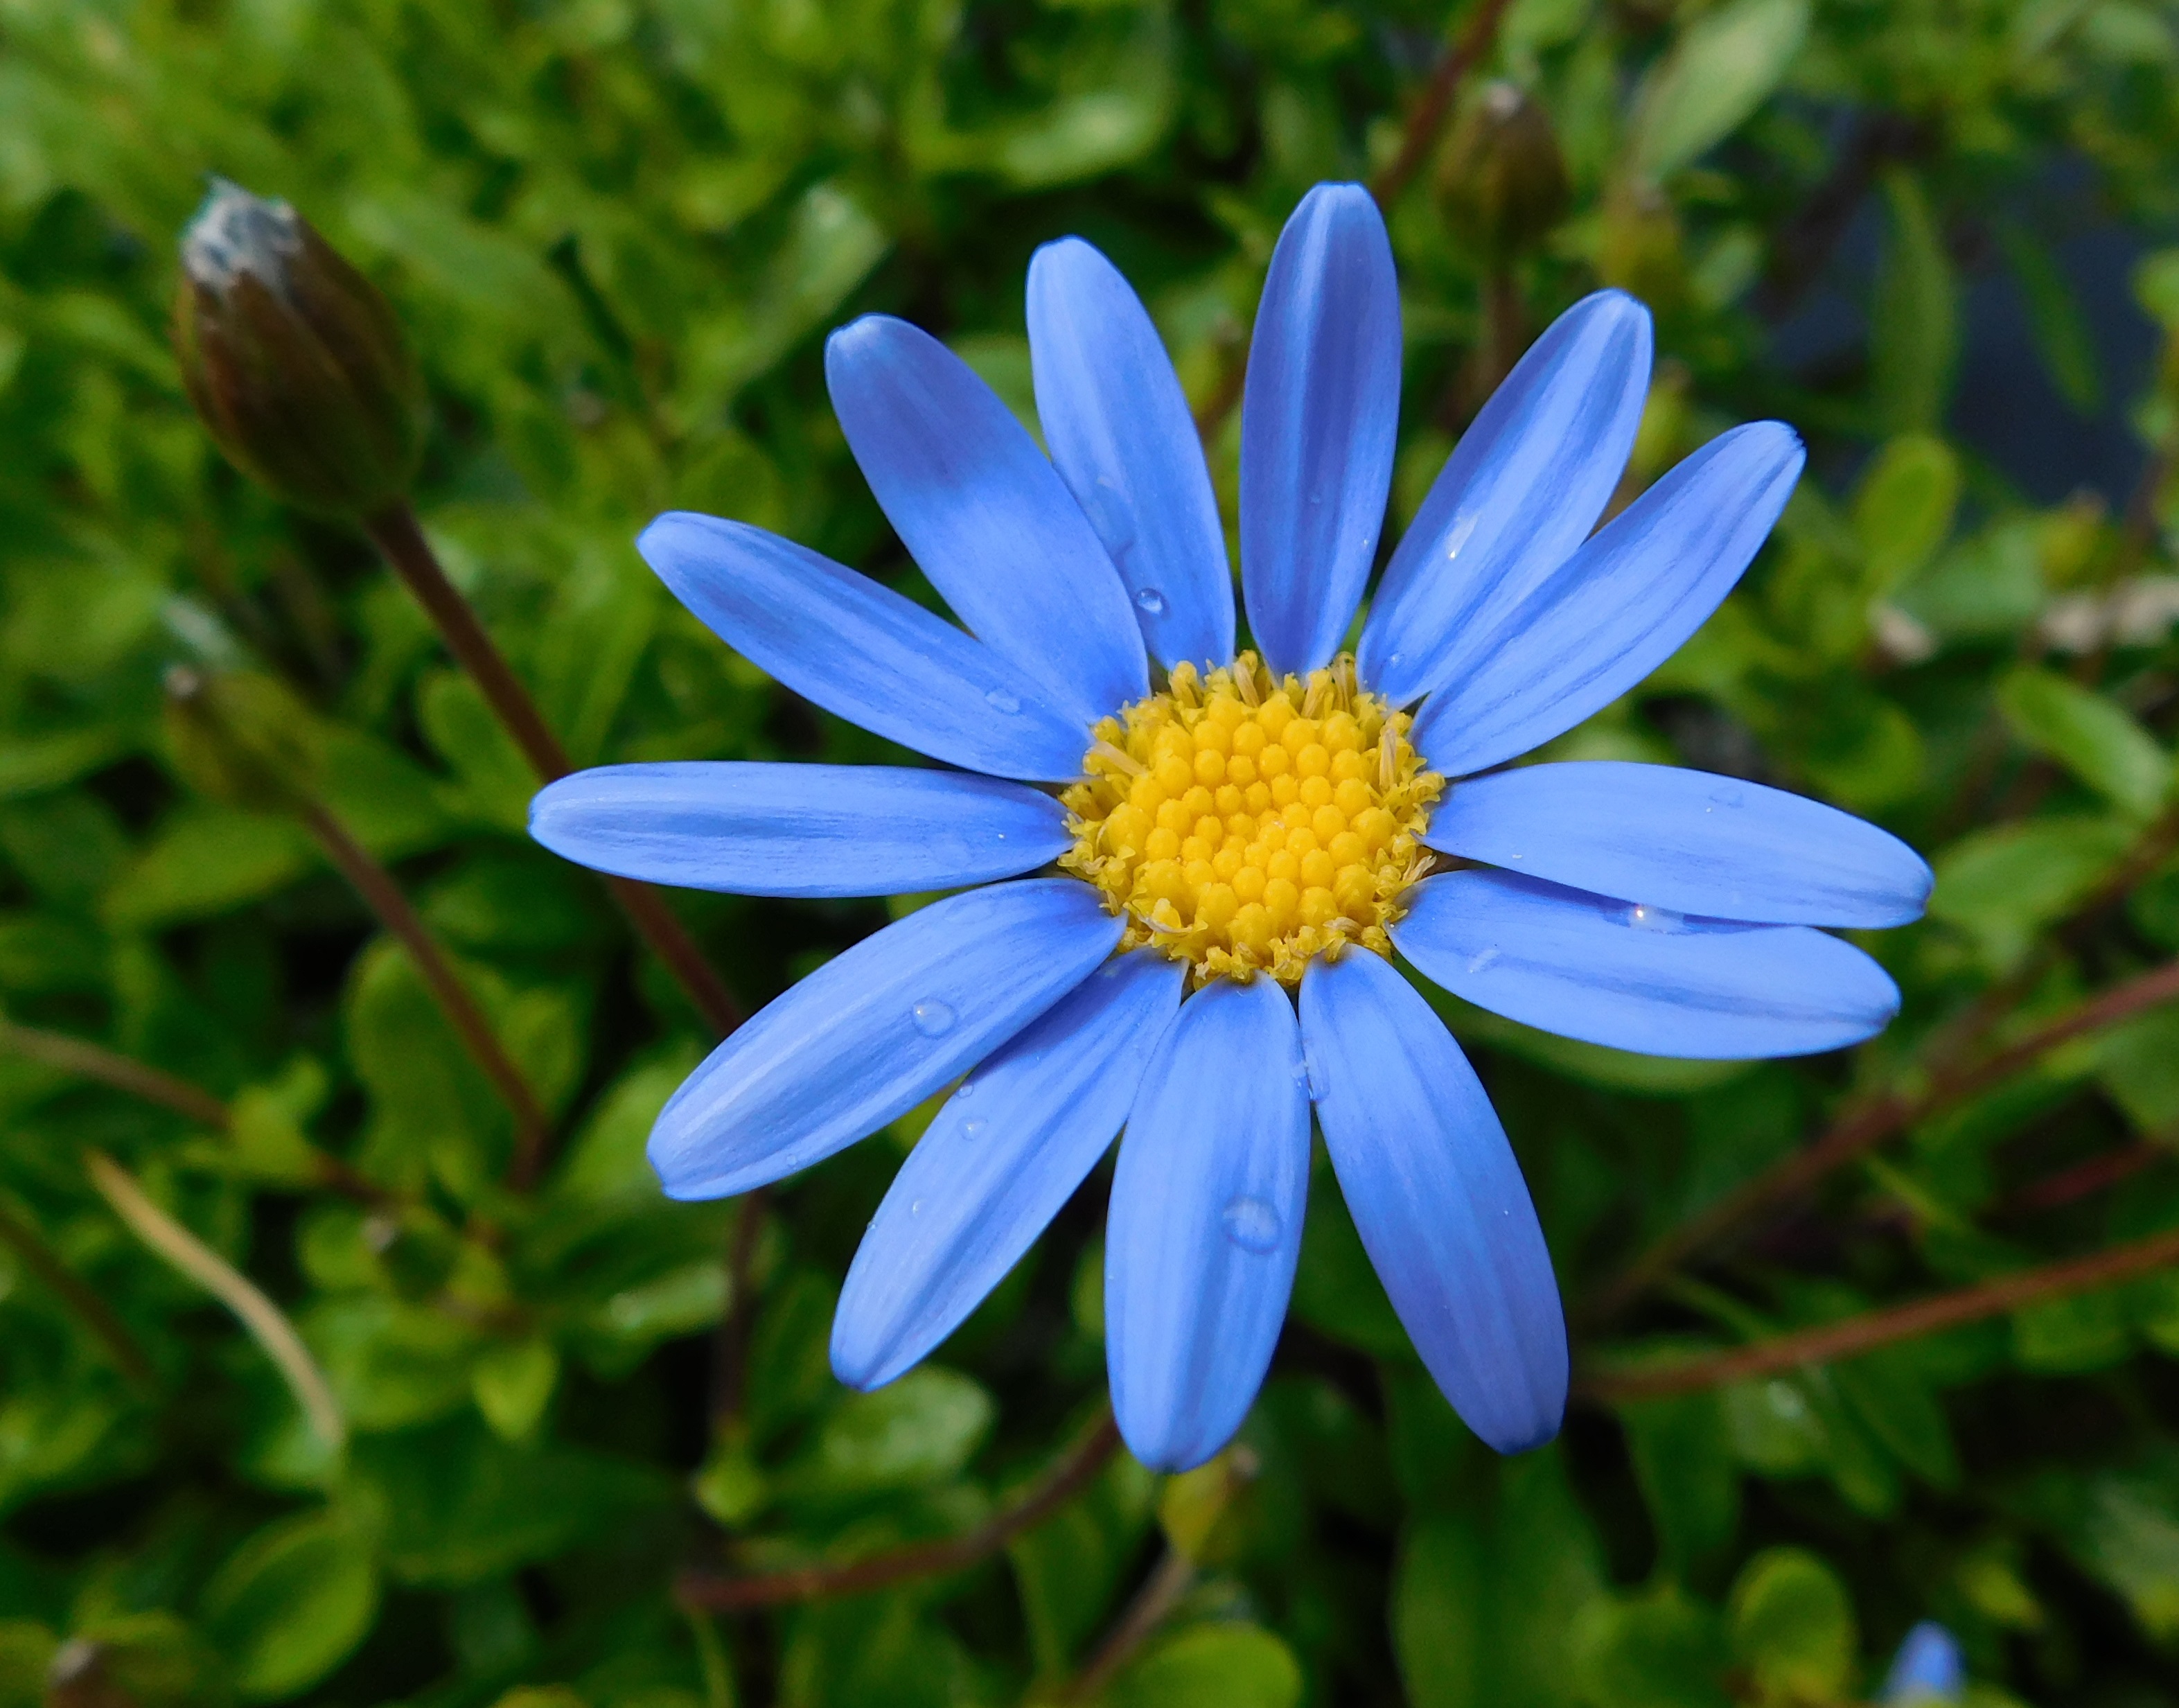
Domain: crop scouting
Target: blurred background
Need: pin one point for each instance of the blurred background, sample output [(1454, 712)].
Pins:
[(338, 1368)]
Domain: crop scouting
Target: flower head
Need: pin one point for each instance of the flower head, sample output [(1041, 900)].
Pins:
[(1236, 846), (1928, 1671)]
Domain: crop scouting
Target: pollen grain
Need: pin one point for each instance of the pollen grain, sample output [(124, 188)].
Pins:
[(1247, 825)]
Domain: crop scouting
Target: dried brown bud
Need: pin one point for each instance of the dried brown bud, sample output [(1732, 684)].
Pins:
[(293, 358), (1501, 181)]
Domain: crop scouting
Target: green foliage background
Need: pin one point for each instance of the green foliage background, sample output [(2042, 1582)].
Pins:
[(617, 230)]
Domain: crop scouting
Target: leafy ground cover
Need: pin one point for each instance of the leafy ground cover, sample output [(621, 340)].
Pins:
[(305, 1396)]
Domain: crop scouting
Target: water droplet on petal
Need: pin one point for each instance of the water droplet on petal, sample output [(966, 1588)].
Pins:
[(1000, 700), (1151, 601), (1250, 1223), (1729, 794), (933, 1018), (970, 1130), (967, 1088), (916, 1207), (1480, 961), (1310, 1072), (1648, 919)]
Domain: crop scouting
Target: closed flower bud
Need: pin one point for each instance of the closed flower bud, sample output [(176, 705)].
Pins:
[(240, 739), (293, 358), (1501, 181)]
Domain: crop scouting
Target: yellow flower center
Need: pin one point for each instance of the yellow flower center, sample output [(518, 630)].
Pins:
[(1247, 825)]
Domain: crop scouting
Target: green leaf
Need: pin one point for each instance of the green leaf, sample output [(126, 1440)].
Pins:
[(291, 1604), (1792, 1627), (1914, 334), (2062, 337), (453, 1504), (2003, 885), (1903, 509), (919, 1430), (1683, 1459), (1660, 1651), (2137, 1063), (1723, 67), (207, 860), (2093, 737), (513, 1383), (1225, 1666)]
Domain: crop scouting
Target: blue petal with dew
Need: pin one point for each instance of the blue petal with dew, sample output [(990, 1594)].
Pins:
[(875, 1031), (1617, 608), (984, 514), (1641, 978), (863, 652), (1687, 840), (799, 830), (1318, 421), (1010, 1147), (1437, 1198), (1123, 440), (1204, 1227), (1520, 490)]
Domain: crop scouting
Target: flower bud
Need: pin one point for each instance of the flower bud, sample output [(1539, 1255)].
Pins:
[(1501, 181), (293, 358), (241, 739)]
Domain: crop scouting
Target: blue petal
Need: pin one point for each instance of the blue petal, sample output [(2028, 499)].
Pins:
[(799, 830), (873, 1032), (1004, 1154), (1521, 492), (1617, 608), (1686, 840), (984, 515), (863, 652), (1639, 978), (1317, 425), (1122, 438), (1927, 1670), (1205, 1223), (1437, 1198)]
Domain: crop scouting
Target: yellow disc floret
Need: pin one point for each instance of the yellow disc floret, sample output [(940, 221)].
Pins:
[(1247, 825)]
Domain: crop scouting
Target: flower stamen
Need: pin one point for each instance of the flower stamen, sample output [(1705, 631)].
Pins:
[(1238, 822)]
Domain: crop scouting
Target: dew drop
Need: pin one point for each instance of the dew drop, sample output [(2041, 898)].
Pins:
[(1311, 1073), (1480, 962), (933, 1018), (1648, 919), (1250, 1223), (1729, 794), (967, 1088), (1000, 700), (1151, 601), (971, 1129), (916, 1207)]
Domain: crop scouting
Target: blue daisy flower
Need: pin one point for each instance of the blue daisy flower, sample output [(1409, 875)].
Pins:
[(1240, 842), (1929, 1670)]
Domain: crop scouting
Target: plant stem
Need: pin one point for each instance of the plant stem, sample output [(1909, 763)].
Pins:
[(1151, 1608), (395, 532), (154, 1085), (110, 1068), (1462, 54), (79, 1295), (375, 885), (1864, 1333), (264, 1320), (1863, 1127), (1068, 1478), (730, 1345)]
